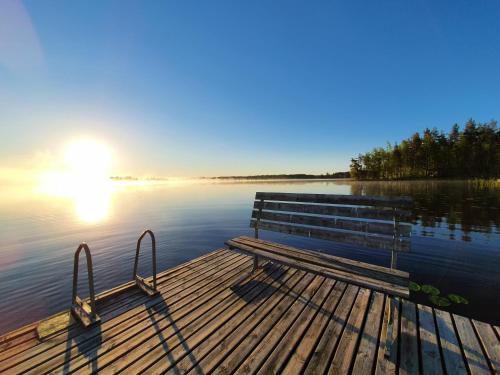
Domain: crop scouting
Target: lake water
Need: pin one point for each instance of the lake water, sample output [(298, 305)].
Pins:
[(455, 238)]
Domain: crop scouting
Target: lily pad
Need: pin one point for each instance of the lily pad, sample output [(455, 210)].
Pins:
[(440, 301), (414, 287), (429, 289), (456, 298)]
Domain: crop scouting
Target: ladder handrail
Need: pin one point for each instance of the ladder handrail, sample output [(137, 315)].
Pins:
[(90, 272), (153, 248), (85, 313)]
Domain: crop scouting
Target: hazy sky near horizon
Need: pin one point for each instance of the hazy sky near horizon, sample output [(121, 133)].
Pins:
[(185, 88)]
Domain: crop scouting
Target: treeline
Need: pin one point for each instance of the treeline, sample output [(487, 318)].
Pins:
[(473, 152), (297, 176)]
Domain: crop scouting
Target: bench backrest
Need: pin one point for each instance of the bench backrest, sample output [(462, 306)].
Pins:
[(376, 222)]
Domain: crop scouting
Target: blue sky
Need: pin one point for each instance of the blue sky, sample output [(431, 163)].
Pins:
[(192, 88)]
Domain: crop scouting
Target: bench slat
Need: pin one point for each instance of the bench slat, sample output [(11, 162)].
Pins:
[(325, 260), (398, 202), (378, 242), (323, 271), (328, 257), (358, 212), (328, 222)]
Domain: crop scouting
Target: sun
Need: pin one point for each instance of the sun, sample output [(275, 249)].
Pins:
[(82, 175), (88, 160)]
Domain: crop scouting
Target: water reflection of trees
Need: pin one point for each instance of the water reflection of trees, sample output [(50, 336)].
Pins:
[(473, 205)]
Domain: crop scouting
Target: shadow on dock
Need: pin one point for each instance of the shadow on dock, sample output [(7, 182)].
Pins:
[(161, 311), (89, 349)]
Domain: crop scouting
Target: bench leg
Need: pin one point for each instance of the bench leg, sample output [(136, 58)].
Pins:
[(255, 263)]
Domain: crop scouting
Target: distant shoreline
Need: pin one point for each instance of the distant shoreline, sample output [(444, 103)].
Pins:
[(326, 177), (297, 176)]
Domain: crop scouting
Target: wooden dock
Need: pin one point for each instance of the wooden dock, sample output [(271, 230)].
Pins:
[(213, 316)]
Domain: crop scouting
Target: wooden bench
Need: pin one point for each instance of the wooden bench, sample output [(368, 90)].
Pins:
[(374, 222)]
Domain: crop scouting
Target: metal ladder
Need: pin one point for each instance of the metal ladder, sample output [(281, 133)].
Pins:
[(141, 282), (85, 312), (87, 315)]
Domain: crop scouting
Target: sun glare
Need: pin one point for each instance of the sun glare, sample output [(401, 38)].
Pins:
[(88, 159), (84, 177)]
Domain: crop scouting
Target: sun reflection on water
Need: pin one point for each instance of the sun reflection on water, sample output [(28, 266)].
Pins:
[(93, 204), (83, 177)]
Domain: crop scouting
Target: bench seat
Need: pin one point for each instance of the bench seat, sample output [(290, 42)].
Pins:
[(387, 280)]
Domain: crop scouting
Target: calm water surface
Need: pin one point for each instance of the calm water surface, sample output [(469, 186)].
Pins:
[(455, 239)]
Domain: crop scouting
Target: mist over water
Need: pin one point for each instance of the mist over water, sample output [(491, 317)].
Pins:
[(455, 237)]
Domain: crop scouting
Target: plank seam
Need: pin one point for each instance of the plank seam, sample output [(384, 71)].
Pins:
[(438, 340), (295, 298), (485, 353), (318, 338), (379, 332), (285, 331), (371, 300), (341, 332), (257, 323), (214, 287), (419, 344), (238, 343), (398, 336), (212, 319), (115, 305), (284, 269), (315, 314), (232, 261), (459, 340)]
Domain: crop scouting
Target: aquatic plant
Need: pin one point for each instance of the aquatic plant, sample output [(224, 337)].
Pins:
[(429, 289), (439, 301), (456, 298), (414, 287), (435, 297)]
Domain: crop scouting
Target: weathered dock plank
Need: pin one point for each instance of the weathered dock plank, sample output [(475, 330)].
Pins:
[(253, 362), (304, 351), (213, 315), (325, 350), (387, 362), (151, 317), (242, 339), (281, 352), (490, 344), (454, 362), (429, 347), (346, 349), (476, 359), (409, 363), (367, 350), (113, 307)]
